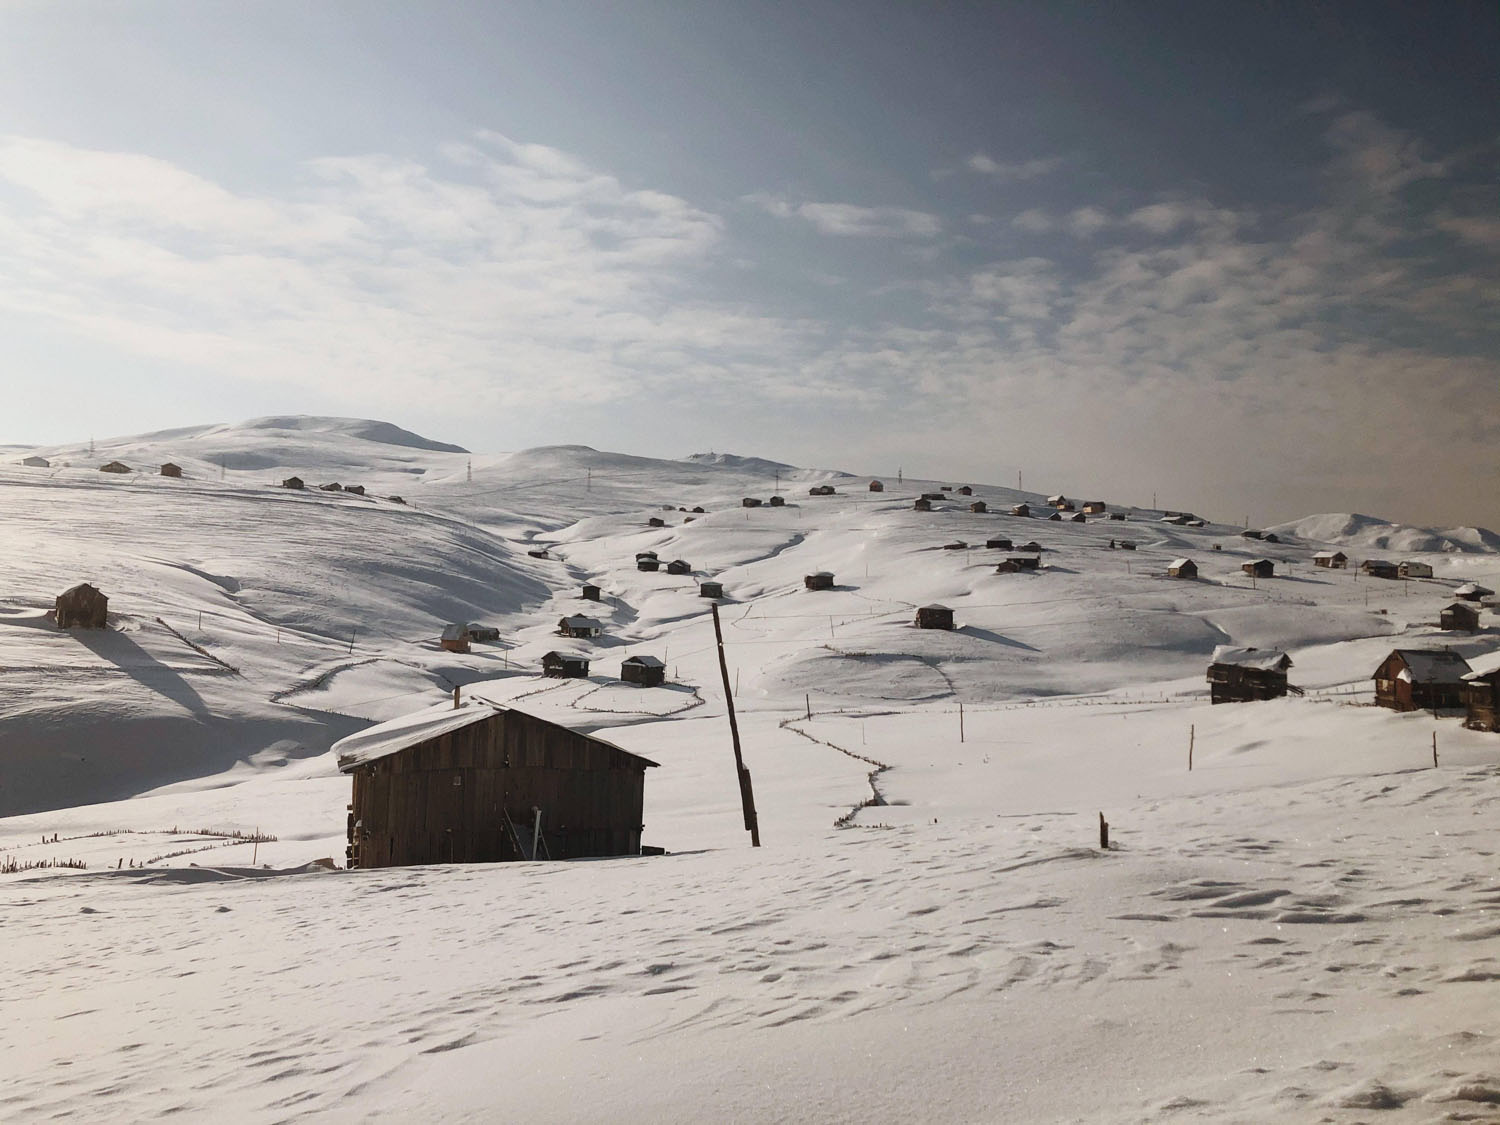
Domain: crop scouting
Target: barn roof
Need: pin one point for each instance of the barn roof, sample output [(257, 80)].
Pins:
[(555, 654), (1265, 659), (385, 739), (455, 632), (78, 587), (1432, 666), (579, 621), (1330, 555), (1178, 564), (645, 661), (1473, 589)]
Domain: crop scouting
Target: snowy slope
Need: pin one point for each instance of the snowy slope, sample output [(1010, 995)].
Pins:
[(1374, 534), (1302, 927)]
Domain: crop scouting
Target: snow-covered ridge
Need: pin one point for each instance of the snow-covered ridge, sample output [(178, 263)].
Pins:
[(1371, 532)]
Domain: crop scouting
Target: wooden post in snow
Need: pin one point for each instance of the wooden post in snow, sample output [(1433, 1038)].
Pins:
[(455, 697), (747, 793), (1192, 737), (1434, 749), (807, 699), (1103, 833), (960, 720)]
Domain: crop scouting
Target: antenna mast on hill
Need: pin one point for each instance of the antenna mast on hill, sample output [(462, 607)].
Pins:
[(899, 478), (470, 471), (91, 446), (589, 483), (778, 480)]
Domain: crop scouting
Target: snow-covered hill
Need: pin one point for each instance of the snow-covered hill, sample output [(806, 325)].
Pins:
[(1354, 530), (1301, 926)]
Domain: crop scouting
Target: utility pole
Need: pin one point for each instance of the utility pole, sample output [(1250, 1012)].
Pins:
[(898, 473), (1019, 488), (589, 485), (470, 472), (747, 794)]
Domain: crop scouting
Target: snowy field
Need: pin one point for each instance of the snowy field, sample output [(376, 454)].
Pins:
[(1304, 927)]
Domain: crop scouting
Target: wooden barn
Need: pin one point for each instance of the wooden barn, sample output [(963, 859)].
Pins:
[(1331, 560), (171, 470), (335, 486), (821, 490), (115, 467), (1420, 679), (1243, 675), (354, 489), (295, 483), (1024, 562), (656, 521), (1182, 519), (1459, 617), (979, 506), (486, 784), (539, 553), (35, 462), (565, 665), (965, 490), (644, 671), (1182, 568), (750, 502), (578, 625), (679, 566), (82, 607), (999, 543), (589, 592), (710, 589), (647, 562), (478, 632), (1095, 507), (822, 580), (876, 486), (921, 504), (1021, 510), (1379, 568), (1009, 566), (1055, 517), (455, 638), (934, 617), (777, 501), (698, 510), (1260, 568), (1078, 517), (1409, 568), (1250, 533), (1472, 592), (956, 545), (1482, 700)]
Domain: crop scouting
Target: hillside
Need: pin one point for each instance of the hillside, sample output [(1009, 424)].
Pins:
[(1303, 920)]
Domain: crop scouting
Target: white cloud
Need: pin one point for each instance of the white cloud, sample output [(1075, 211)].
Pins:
[(851, 219), (1012, 171), (1033, 221)]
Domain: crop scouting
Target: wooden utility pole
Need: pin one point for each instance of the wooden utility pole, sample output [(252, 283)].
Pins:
[(1192, 737), (1434, 749), (1103, 833), (747, 793)]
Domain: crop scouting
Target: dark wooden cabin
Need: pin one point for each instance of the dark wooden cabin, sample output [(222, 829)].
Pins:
[(698, 510), (579, 626), (965, 490), (1078, 517), (396, 499), (1331, 560), (35, 462), (82, 607), (478, 783), (1009, 566), (656, 521), (1472, 592), (1482, 700), (777, 501), (1055, 517), (1459, 617), (1021, 510), (565, 666), (1025, 562), (644, 671), (295, 483), (710, 589), (1095, 507), (1182, 568), (956, 545), (589, 593), (822, 580), (679, 566), (649, 563), (1126, 544), (1251, 533), (1059, 501), (354, 489), (171, 470), (750, 502), (1269, 537), (1420, 679), (821, 490), (1243, 675), (876, 486), (933, 496), (1117, 515), (1031, 546), (934, 617), (1379, 568), (1260, 568), (998, 544), (478, 632), (115, 467), (335, 486), (455, 638), (979, 506), (539, 553), (922, 504)]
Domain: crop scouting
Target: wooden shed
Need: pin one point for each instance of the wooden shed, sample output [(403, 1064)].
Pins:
[(396, 499), (656, 521), (648, 563), (1055, 517), (1078, 517), (589, 592), (1260, 568), (921, 504), (1095, 507), (35, 462), (81, 607), (1025, 562), (355, 489), (777, 501), (486, 784), (1243, 675), (1269, 537), (1472, 592), (1410, 568), (1021, 510), (1126, 544), (1331, 560), (539, 553), (115, 467), (1031, 546), (171, 470), (1420, 679), (1182, 568), (679, 566), (1481, 693), (1009, 566), (822, 580), (455, 638), (645, 671), (999, 543), (1459, 617), (1059, 501), (821, 490), (565, 665), (1251, 533), (750, 502), (577, 625), (876, 486), (710, 589), (1379, 568), (933, 496), (478, 632), (295, 483), (934, 617), (1117, 515), (979, 506), (698, 510), (965, 490)]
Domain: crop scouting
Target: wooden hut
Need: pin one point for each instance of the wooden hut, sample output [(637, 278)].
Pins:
[(656, 521), (1078, 517), (1472, 592), (710, 589), (934, 617), (589, 592), (455, 638), (171, 470), (1182, 568), (1058, 501), (81, 607), (35, 462), (647, 563), (1410, 568), (485, 784), (577, 625), (1331, 560), (979, 506), (876, 486), (1459, 617), (478, 632), (1055, 517), (777, 501), (1248, 533), (396, 499), (1021, 510), (1009, 566), (565, 666), (1260, 568), (965, 490), (956, 545), (1242, 675), (644, 671), (295, 483), (698, 510), (750, 502), (822, 580), (821, 490), (1269, 537), (1126, 544), (540, 553), (1481, 694), (921, 504), (1117, 515), (1025, 562), (1095, 507), (1379, 568), (1419, 679), (933, 496), (354, 489), (999, 543), (1031, 546), (115, 467), (679, 566)]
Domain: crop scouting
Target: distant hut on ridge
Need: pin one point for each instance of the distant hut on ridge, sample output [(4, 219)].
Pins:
[(81, 607)]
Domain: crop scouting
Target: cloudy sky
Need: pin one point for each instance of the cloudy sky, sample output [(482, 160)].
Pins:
[(1242, 256)]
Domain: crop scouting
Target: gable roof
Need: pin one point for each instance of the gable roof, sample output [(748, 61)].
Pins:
[(1432, 666), (1473, 589), (939, 608), (1265, 659), (645, 661), (1330, 555), (1178, 564)]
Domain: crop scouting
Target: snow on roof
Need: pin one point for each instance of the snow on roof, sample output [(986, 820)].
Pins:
[(1266, 659), (455, 632), (1484, 666), (1433, 666), (1178, 564), (936, 606), (645, 661), (579, 621), (556, 654), (1330, 555), (1473, 589)]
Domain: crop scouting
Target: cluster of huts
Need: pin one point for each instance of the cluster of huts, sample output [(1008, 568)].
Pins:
[(169, 469)]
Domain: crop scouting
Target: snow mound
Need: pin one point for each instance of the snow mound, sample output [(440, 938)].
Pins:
[(1353, 529), (366, 429), (758, 465)]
